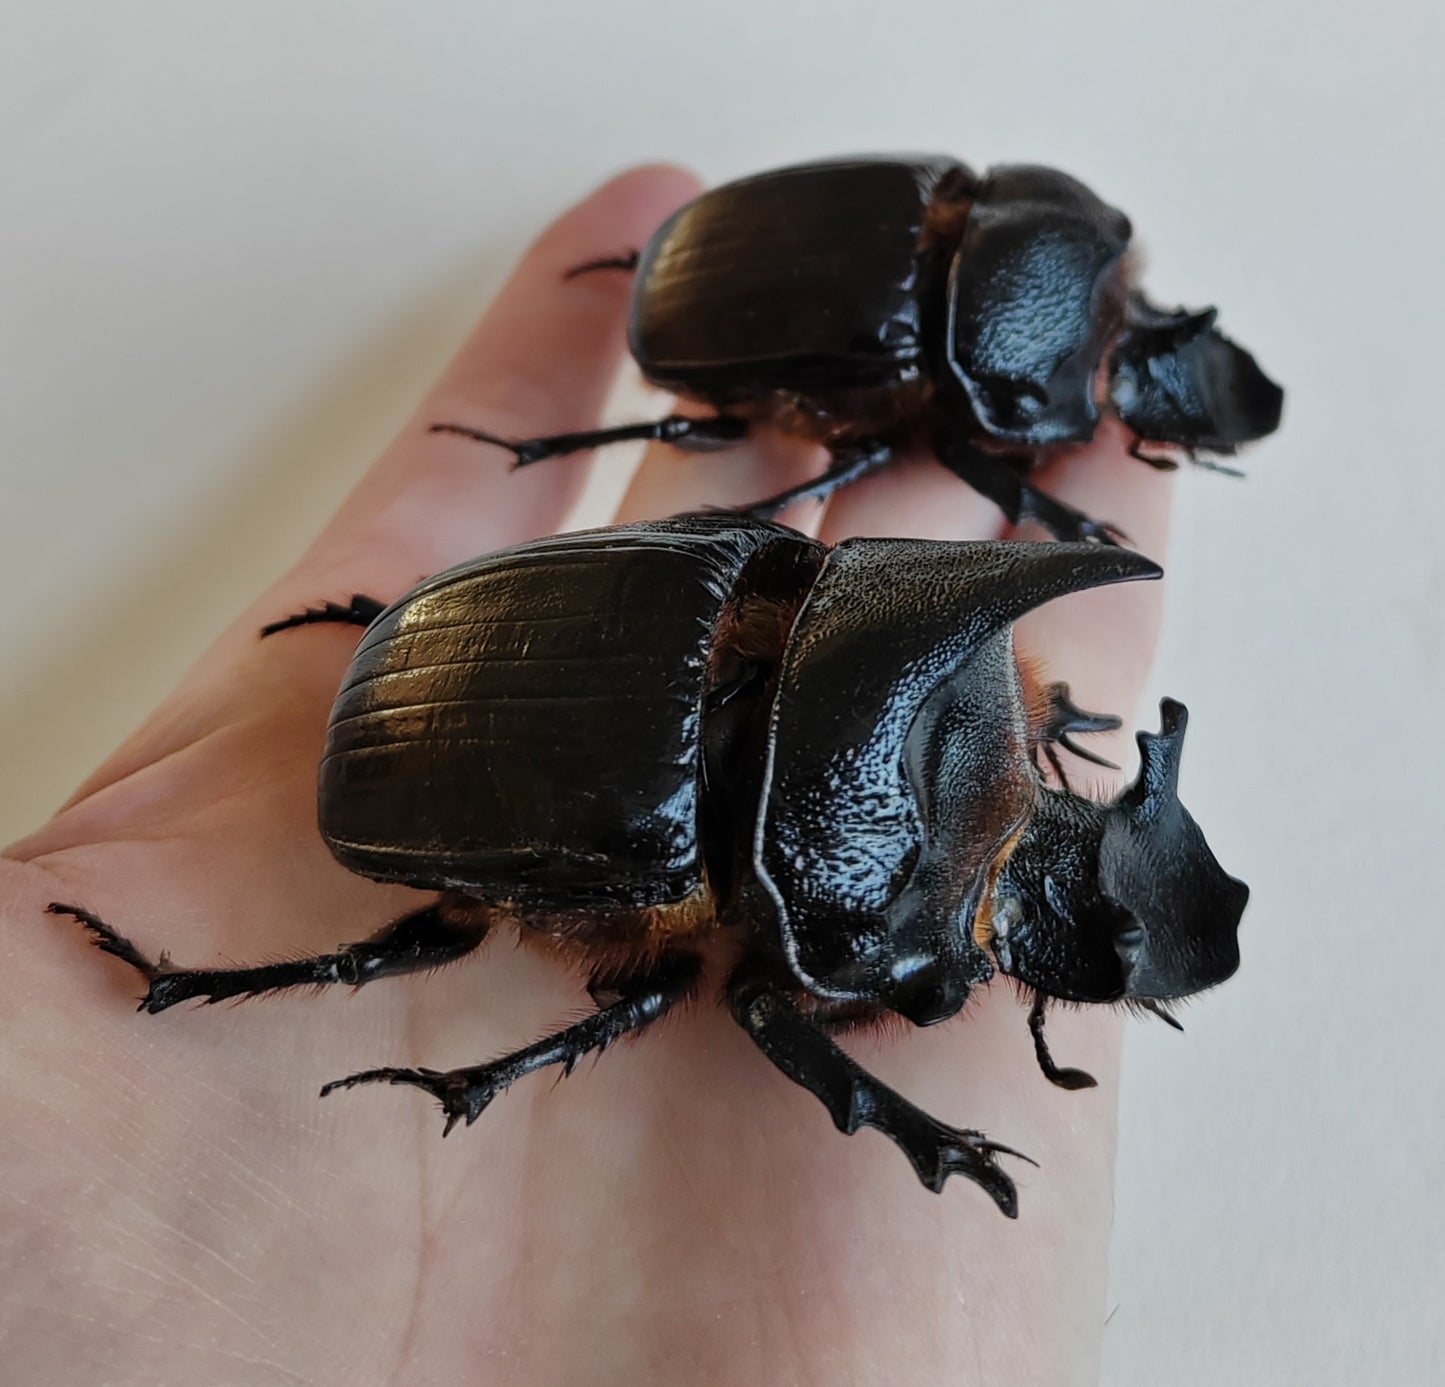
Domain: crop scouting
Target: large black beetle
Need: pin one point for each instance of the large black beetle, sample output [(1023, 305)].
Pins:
[(876, 304), (633, 741)]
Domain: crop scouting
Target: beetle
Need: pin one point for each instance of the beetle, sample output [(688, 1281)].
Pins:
[(823, 755), (876, 304)]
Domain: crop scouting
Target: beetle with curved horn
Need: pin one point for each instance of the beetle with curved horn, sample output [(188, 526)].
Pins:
[(886, 852)]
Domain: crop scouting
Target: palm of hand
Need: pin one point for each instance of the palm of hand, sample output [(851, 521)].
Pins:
[(181, 1206)]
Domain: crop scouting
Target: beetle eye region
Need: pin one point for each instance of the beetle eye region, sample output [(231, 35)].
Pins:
[(1128, 940)]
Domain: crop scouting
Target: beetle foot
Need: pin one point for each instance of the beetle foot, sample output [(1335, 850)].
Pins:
[(934, 1149), (110, 941), (361, 611), (854, 1098), (463, 1093), (1064, 719), (945, 1151), (167, 985), (524, 451), (424, 939), (1210, 464)]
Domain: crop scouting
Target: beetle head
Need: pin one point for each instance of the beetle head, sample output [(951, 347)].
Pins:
[(1175, 378), (1103, 902)]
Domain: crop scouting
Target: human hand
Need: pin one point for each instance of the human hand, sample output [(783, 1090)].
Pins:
[(179, 1207)]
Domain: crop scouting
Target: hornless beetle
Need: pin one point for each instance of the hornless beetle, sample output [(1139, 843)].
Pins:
[(877, 304), (827, 754)]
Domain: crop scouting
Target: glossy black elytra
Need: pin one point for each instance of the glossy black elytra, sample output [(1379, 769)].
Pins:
[(877, 304), (827, 754)]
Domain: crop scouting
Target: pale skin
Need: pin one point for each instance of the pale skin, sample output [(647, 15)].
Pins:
[(178, 1206)]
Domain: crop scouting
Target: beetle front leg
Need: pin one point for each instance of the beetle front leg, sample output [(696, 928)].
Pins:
[(704, 435), (465, 1093), (417, 942), (998, 479), (854, 1098), (1062, 719)]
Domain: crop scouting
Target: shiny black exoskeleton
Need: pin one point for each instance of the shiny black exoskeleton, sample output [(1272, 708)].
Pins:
[(876, 304), (630, 741)]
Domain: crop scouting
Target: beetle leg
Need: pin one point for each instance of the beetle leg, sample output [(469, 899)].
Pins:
[(362, 611), (1158, 1009), (465, 1093), (1065, 718), (1046, 753), (998, 478), (424, 939), (1210, 464), (855, 460), (1064, 1078), (702, 435), (626, 261), (1160, 462), (854, 1098)]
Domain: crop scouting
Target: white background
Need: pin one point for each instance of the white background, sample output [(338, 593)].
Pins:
[(237, 239)]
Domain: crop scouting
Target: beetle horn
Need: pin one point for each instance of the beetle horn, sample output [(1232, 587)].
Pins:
[(887, 621), (1006, 580), (1154, 862), (923, 606), (899, 713)]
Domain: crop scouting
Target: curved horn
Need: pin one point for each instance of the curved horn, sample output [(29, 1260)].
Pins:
[(889, 618), (889, 627)]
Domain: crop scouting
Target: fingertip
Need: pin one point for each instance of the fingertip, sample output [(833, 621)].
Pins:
[(1102, 479), (617, 216), (644, 189), (542, 314), (540, 362), (1102, 642)]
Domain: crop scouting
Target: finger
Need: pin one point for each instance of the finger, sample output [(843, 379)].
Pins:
[(913, 496), (541, 362), (1103, 480)]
